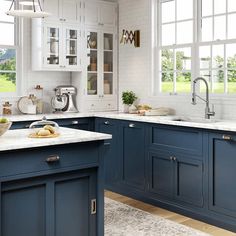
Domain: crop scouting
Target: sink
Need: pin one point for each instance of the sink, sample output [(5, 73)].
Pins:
[(195, 120)]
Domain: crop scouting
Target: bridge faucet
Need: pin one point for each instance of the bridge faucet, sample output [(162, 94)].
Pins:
[(208, 112)]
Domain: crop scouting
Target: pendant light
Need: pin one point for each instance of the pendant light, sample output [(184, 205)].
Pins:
[(35, 11)]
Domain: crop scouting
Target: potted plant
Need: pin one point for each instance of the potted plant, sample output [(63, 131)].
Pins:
[(128, 98)]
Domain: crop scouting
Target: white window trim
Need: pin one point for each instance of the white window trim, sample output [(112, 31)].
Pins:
[(156, 39), (18, 42)]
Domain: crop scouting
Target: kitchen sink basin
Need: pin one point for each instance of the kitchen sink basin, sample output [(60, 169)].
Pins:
[(195, 120)]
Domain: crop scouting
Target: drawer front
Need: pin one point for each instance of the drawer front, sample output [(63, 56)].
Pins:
[(77, 123), (176, 139), (48, 158)]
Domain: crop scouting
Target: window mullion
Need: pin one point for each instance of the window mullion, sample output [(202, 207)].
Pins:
[(225, 72)]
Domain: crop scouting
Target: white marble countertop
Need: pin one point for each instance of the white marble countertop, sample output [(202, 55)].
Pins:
[(213, 124), (18, 139), (223, 125)]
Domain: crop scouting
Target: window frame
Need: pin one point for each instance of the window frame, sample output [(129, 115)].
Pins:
[(17, 47), (195, 46)]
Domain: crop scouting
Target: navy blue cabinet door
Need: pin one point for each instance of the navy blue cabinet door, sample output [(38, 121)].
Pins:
[(23, 208), (56, 205), (222, 174), (188, 180), (160, 171), (111, 162), (132, 156)]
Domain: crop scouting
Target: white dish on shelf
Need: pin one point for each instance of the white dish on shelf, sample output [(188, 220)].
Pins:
[(23, 104)]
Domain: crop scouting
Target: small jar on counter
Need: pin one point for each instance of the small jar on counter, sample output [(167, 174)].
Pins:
[(7, 108)]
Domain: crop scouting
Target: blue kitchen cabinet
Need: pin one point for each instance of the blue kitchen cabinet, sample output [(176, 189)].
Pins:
[(222, 173), (76, 123), (161, 174), (111, 161), (132, 154), (54, 205), (176, 177), (188, 179), (52, 191)]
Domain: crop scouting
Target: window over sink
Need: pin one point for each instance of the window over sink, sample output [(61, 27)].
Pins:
[(8, 51), (196, 38)]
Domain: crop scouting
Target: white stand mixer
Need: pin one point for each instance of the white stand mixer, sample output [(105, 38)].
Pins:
[(63, 99)]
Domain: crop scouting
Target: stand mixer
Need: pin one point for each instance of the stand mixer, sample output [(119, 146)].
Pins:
[(63, 99)]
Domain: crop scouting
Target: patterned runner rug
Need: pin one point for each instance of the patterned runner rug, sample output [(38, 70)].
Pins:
[(124, 220)]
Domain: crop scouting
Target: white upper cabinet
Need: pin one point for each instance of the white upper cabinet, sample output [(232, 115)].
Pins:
[(108, 14), (91, 12), (63, 10), (69, 10), (100, 13), (52, 6)]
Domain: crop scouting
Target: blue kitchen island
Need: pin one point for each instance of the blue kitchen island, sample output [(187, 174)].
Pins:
[(52, 187)]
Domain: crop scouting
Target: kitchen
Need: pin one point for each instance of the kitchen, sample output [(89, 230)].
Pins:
[(108, 57)]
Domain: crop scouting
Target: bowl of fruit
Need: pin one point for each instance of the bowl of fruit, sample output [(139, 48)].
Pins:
[(5, 125)]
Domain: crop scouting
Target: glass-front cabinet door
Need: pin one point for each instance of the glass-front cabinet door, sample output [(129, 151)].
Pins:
[(52, 48), (108, 55), (71, 47), (92, 70)]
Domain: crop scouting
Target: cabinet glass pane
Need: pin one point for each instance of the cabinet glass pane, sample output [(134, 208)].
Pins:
[(92, 84), (92, 53), (52, 46), (108, 64), (71, 47)]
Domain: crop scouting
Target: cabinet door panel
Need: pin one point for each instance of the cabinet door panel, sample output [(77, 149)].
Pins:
[(161, 174), (173, 139), (222, 175), (52, 6), (189, 181), (69, 10), (91, 13), (110, 160), (71, 202), (23, 211), (133, 154), (107, 14)]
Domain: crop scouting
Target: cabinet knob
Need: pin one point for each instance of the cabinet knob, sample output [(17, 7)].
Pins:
[(131, 125), (171, 158), (174, 158), (52, 159), (106, 122), (227, 137), (75, 122)]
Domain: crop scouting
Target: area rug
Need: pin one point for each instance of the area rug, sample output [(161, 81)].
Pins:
[(124, 220)]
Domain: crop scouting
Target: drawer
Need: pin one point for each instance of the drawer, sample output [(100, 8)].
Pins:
[(182, 140), (38, 159)]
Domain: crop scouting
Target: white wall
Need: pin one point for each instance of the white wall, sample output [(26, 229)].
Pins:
[(135, 65)]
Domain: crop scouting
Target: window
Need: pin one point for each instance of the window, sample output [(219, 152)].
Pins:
[(197, 38), (8, 51)]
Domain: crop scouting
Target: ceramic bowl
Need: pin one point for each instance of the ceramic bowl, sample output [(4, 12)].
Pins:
[(4, 127)]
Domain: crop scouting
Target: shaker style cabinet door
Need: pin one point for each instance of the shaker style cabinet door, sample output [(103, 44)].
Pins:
[(132, 154), (111, 162), (188, 180), (222, 174), (161, 174), (57, 205), (23, 208)]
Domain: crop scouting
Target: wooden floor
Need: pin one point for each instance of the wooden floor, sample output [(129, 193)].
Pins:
[(210, 229)]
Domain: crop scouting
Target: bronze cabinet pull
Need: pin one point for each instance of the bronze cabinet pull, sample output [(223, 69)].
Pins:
[(52, 159), (227, 137)]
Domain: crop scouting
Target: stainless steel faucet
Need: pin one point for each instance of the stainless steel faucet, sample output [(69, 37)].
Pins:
[(208, 112)]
